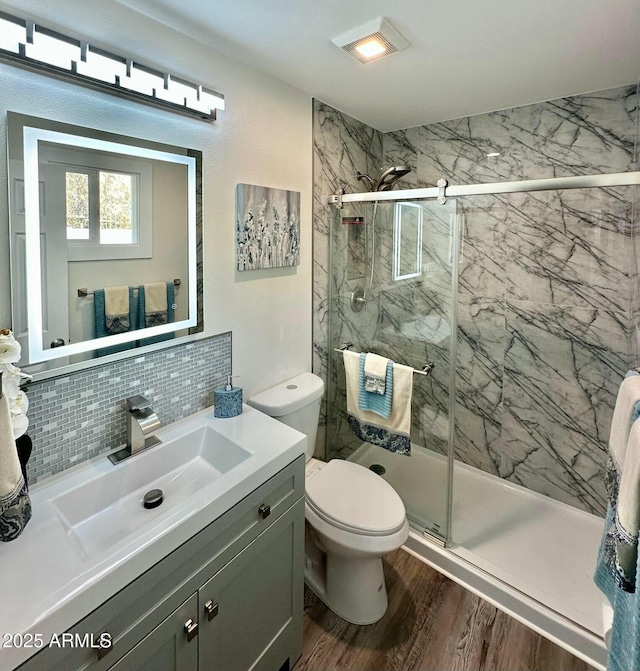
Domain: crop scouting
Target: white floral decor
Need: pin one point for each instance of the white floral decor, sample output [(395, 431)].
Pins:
[(11, 379)]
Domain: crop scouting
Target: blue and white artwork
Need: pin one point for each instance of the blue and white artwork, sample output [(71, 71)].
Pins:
[(267, 227)]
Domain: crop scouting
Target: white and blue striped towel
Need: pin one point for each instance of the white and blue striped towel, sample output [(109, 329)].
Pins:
[(372, 400)]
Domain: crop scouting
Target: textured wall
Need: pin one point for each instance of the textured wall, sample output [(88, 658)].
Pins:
[(545, 293)]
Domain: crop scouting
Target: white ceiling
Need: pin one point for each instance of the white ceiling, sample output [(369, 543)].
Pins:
[(466, 56)]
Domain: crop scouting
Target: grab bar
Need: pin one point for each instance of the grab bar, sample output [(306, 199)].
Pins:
[(426, 370)]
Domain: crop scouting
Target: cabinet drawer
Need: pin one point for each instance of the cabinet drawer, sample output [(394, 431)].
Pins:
[(142, 605)]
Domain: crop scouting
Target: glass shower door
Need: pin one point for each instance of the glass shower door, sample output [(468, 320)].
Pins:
[(401, 259)]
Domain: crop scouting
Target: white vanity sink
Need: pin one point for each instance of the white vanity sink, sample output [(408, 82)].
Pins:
[(107, 509), (90, 535)]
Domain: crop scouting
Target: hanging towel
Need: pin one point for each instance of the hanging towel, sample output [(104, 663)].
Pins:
[(116, 310), (100, 312), (626, 410), (15, 506), (394, 433), (156, 305), (375, 373), (623, 492), (156, 309), (617, 567), (374, 401)]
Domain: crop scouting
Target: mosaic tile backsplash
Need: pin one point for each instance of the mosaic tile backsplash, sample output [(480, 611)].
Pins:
[(81, 415)]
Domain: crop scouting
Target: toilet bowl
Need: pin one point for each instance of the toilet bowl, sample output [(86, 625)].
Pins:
[(353, 516)]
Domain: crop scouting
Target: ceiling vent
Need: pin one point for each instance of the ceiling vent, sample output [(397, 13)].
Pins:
[(373, 40)]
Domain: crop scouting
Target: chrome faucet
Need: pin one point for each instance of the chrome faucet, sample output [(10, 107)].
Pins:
[(141, 422)]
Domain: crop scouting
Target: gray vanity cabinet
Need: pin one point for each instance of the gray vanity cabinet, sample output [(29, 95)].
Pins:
[(229, 599), (248, 616), (167, 647)]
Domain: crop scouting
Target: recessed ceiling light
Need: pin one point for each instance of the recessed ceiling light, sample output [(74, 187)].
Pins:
[(493, 154), (371, 48), (373, 40)]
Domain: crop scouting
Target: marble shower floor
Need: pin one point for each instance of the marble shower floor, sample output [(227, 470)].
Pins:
[(542, 547)]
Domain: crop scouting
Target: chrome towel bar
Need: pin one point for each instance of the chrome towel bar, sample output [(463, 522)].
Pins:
[(426, 370)]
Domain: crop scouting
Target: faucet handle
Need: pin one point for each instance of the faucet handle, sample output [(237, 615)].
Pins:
[(136, 403)]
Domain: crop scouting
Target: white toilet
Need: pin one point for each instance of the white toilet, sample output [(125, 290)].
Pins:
[(353, 516)]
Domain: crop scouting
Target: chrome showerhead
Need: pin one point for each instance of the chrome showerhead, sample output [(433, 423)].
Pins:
[(387, 179)]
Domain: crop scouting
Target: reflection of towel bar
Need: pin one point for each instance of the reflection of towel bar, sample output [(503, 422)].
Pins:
[(425, 371), (83, 293)]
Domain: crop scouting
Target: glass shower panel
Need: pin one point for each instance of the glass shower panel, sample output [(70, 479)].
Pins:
[(408, 314), (547, 298)]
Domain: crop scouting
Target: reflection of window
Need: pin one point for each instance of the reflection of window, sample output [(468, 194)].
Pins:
[(106, 208), (77, 202), (100, 207)]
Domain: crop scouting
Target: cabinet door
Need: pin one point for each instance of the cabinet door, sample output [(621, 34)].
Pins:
[(251, 610), (168, 647)]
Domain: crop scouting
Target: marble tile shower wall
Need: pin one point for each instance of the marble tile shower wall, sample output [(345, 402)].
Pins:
[(343, 147), (545, 292), (546, 298), (81, 415)]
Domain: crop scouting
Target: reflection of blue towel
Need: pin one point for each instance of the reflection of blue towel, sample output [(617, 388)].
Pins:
[(373, 401), (101, 321), (142, 315)]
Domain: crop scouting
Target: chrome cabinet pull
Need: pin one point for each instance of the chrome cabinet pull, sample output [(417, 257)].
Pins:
[(105, 647), (264, 510), (191, 629), (211, 609)]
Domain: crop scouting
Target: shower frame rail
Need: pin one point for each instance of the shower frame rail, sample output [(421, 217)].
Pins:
[(440, 193)]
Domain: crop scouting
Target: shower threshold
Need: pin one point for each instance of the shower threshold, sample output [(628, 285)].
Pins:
[(529, 555)]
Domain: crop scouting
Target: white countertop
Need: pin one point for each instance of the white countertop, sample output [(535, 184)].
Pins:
[(47, 584)]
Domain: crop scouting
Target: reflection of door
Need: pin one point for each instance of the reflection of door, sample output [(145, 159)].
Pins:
[(53, 259)]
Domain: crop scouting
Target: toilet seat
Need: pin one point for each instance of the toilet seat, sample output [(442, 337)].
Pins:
[(353, 498)]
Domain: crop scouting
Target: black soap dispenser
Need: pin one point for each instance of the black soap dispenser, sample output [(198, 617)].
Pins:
[(227, 401)]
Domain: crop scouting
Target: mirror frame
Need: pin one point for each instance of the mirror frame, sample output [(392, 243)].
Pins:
[(33, 132)]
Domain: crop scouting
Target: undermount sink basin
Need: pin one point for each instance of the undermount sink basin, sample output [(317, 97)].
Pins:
[(109, 508)]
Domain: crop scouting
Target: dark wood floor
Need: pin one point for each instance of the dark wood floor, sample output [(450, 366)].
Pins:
[(432, 624)]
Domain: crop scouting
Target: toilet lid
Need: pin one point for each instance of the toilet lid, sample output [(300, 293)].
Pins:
[(354, 498)]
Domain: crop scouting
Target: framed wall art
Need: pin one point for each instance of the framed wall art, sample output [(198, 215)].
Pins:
[(267, 227)]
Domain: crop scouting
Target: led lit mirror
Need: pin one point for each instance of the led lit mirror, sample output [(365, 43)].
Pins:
[(407, 240), (105, 239)]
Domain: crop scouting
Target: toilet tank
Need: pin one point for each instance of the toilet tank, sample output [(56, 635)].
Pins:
[(296, 403)]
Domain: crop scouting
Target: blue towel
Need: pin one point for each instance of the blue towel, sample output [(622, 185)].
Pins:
[(621, 590), (372, 401), (624, 644), (171, 290), (101, 322)]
